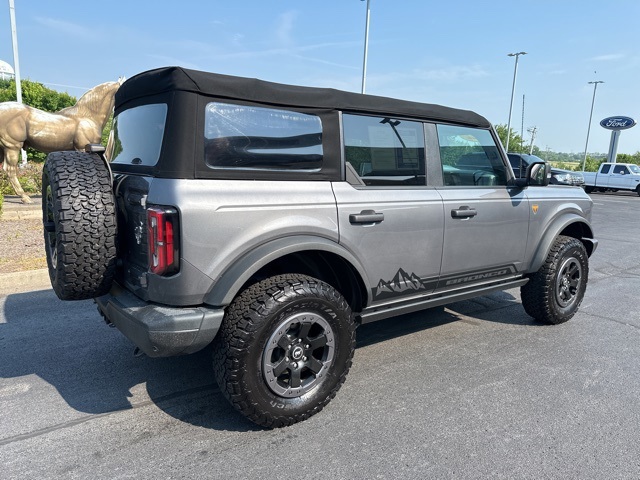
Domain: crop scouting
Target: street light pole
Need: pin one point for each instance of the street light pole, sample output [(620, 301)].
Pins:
[(366, 47), (16, 64), (513, 89), (593, 101), (14, 39)]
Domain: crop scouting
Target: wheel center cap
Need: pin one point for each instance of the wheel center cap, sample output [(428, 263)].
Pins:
[(297, 353)]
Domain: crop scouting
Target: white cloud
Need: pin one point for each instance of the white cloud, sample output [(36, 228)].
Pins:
[(608, 58), (447, 74), (71, 29), (284, 27)]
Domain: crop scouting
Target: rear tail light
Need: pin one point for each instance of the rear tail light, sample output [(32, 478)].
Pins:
[(163, 236)]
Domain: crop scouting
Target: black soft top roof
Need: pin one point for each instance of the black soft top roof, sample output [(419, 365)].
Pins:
[(170, 79)]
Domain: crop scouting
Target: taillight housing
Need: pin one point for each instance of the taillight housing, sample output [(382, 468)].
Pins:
[(163, 235)]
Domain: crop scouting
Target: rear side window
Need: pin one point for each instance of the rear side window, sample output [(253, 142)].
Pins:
[(137, 135), (470, 157), (247, 137), (384, 151)]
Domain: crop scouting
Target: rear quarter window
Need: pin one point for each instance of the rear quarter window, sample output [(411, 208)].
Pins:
[(137, 135), (248, 137)]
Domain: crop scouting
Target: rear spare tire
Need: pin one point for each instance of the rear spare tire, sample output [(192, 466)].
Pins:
[(79, 218)]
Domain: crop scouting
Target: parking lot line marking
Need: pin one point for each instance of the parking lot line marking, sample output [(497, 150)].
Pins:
[(616, 201)]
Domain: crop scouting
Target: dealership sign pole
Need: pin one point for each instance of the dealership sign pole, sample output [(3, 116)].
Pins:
[(616, 125)]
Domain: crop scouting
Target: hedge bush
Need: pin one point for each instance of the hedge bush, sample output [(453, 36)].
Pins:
[(30, 178)]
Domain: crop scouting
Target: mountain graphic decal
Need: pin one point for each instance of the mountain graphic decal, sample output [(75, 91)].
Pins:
[(401, 282)]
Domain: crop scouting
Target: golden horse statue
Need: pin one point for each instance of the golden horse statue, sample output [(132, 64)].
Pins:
[(71, 128)]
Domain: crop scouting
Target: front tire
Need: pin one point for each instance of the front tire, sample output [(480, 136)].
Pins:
[(554, 293), (284, 349)]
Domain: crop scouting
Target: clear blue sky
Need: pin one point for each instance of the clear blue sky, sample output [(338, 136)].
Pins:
[(452, 53)]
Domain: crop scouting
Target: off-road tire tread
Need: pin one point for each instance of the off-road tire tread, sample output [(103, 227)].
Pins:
[(85, 224), (538, 294), (236, 335)]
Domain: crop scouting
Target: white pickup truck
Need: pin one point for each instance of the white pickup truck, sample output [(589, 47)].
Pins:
[(613, 176)]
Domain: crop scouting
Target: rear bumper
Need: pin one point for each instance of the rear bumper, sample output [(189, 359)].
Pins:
[(158, 330)]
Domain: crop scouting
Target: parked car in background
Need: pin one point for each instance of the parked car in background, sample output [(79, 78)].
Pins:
[(614, 177), (520, 162)]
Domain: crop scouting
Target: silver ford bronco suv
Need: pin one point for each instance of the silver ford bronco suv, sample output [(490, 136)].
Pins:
[(269, 221)]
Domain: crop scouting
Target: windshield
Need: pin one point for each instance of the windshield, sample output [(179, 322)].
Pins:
[(137, 135), (634, 168)]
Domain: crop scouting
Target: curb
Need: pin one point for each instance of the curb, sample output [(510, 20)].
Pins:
[(14, 209), (20, 215), (25, 281)]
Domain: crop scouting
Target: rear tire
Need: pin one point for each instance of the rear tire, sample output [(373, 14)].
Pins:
[(554, 293), (78, 214), (284, 349)]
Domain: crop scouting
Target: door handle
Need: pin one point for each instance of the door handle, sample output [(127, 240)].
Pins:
[(464, 212), (366, 216)]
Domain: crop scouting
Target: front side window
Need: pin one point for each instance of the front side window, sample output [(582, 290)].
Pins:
[(247, 137), (137, 135), (470, 157), (384, 151), (620, 170)]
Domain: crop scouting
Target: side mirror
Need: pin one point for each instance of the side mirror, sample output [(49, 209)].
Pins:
[(538, 174)]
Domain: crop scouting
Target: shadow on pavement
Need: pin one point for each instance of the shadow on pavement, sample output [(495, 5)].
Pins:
[(93, 368)]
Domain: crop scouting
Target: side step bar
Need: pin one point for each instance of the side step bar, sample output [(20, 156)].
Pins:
[(373, 314)]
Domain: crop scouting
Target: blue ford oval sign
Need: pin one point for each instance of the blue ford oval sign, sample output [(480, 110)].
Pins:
[(617, 123)]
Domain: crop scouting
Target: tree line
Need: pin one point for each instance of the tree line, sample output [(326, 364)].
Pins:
[(569, 161)]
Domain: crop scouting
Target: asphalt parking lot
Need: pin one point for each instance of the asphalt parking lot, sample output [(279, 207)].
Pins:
[(477, 390)]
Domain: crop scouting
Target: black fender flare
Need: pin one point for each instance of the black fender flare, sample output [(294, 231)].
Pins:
[(557, 226), (231, 281)]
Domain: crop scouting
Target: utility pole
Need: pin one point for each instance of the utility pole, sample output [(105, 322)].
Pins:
[(513, 89), (532, 131), (522, 127), (593, 100)]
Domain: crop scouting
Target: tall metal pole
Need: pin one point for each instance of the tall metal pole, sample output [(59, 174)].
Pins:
[(533, 131), (16, 65), (513, 89), (366, 48), (593, 101), (522, 127), (16, 61)]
